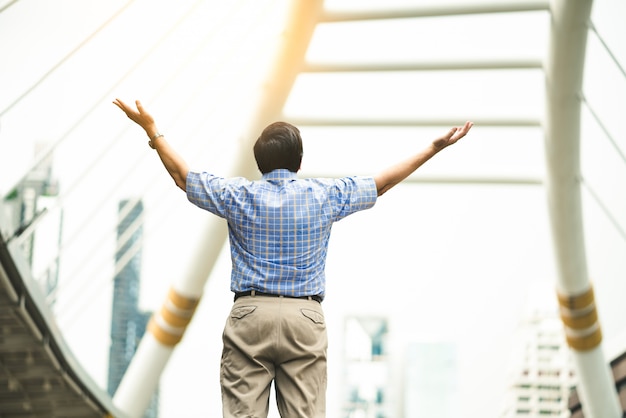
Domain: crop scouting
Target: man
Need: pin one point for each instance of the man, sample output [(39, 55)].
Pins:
[(279, 229)]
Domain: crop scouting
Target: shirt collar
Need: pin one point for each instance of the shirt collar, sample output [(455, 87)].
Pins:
[(280, 174)]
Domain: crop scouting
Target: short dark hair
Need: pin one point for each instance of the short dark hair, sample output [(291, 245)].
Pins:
[(279, 146)]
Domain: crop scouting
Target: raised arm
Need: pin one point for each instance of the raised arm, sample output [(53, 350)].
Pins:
[(398, 172), (174, 163)]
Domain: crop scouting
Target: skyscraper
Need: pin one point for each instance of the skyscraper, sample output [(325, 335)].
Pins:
[(128, 323)]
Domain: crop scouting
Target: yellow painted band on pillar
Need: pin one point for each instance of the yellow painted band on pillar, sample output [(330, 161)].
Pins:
[(163, 336), (181, 301), (579, 319), (177, 315), (579, 301), (176, 319), (585, 342)]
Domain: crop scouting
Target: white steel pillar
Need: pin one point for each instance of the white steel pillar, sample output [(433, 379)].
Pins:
[(167, 327), (564, 75)]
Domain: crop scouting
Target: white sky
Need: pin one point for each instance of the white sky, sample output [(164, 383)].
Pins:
[(444, 262)]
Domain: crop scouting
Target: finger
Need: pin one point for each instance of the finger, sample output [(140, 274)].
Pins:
[(139, 106), (460, 133), (462, 130), (121, 105)]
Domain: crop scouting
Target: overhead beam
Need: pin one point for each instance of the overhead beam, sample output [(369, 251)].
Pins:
[(526, 64), (437, 11), (302, 121)]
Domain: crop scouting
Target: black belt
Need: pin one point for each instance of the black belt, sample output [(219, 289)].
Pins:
[(316, 298)]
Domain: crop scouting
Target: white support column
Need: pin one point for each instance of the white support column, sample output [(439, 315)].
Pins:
[(564, 75), (167, 327)]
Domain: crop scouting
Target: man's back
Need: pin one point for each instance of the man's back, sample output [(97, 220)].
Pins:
[(279, 226)]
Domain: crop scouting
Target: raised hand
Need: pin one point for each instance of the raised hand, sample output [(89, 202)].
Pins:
[(140, 116), (453, 135)]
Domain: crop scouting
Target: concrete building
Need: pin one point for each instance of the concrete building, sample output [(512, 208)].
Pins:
[(542, 373), (366, 368)]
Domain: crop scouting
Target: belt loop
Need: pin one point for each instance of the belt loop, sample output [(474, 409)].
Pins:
[(309, 297), (252, 293)]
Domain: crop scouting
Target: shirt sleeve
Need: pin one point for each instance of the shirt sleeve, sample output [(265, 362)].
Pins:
[(353, 194), (207, 191)]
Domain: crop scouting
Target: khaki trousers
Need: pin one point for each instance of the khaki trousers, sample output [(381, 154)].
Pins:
[(274, 338)]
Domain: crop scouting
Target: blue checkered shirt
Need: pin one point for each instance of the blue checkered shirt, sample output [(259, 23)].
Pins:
[(279, 226)]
